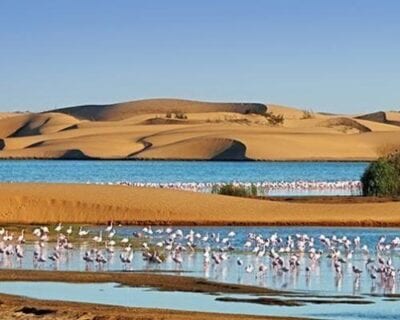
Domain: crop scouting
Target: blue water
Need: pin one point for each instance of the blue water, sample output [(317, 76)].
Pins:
[(322, 280), (114, 294), (176, 171)]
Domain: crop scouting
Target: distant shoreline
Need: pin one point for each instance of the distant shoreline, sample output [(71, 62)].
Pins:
[(187, 160)]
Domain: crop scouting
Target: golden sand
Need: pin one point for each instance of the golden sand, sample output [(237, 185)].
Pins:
[(142, 130), (78, 203)]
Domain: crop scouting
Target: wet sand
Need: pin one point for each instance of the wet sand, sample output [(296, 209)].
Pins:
[(15, 307), (12, 307), (135, 279), (40, 203)]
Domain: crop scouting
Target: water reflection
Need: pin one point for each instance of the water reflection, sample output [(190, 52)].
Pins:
[(312, 259)]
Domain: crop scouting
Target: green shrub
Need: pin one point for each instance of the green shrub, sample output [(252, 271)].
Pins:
[(382, 177), (214, 189), (253, 190), (236, 191)]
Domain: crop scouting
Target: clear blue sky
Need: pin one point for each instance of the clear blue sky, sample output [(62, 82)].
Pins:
[(340, 55)]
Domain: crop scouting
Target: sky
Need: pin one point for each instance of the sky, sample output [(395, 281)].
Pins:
[(336, 56)]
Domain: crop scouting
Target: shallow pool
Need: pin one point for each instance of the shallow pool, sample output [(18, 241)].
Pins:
[(114, 294)]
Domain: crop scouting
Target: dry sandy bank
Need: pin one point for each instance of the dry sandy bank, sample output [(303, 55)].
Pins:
[(94, 204)]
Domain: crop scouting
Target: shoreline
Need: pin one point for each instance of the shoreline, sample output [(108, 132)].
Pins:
[(138, 279), (357, 160), (13, 306), (8, 303), (48, 203)]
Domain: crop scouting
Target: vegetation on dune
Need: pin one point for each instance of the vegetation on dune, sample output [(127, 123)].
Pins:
[(274, 119), (176, 114), (382, 177), (236, 191), (308, 114)]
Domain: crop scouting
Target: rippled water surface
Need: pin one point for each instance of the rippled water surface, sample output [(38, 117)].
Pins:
[(321, 276), (273, 178), (368, 249), (114, 294), (176, 171)]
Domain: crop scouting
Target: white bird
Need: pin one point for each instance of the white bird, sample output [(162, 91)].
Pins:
[(21, 238), (58, 228), (111, 233), (82, 232), (98, 238), (249, 268), (109, 227)]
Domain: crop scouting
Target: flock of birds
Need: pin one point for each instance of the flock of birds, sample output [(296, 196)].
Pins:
[(264, 187), (270, 254)]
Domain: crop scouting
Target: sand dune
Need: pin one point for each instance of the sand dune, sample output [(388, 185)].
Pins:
[(236, 131), (389, 117), (4, 115), (346, 125), (198, 148), (35, 124), (51, 203), (125, 110)]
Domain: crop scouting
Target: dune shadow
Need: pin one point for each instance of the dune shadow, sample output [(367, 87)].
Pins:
[(36, 144), (75, 154), (235, 152), (71, 127), (28, 129)]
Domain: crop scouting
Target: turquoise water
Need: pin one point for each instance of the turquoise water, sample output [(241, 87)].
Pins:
[(176, 171)]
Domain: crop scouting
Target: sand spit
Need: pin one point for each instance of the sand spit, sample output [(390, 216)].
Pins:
[(30, 203), (25, 308), (162, 282), (191, 130), (15, 307)]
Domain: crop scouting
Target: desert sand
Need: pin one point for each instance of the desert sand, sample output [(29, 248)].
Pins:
[(183, 129), (97, 204)]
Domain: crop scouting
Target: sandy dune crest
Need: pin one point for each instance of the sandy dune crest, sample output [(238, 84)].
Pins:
[(120, 111)]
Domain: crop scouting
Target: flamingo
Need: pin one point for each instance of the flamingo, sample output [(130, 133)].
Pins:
[(99, 238), (58, 228), (82, 232), (109, 227), (69, 231), (21, 238)]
